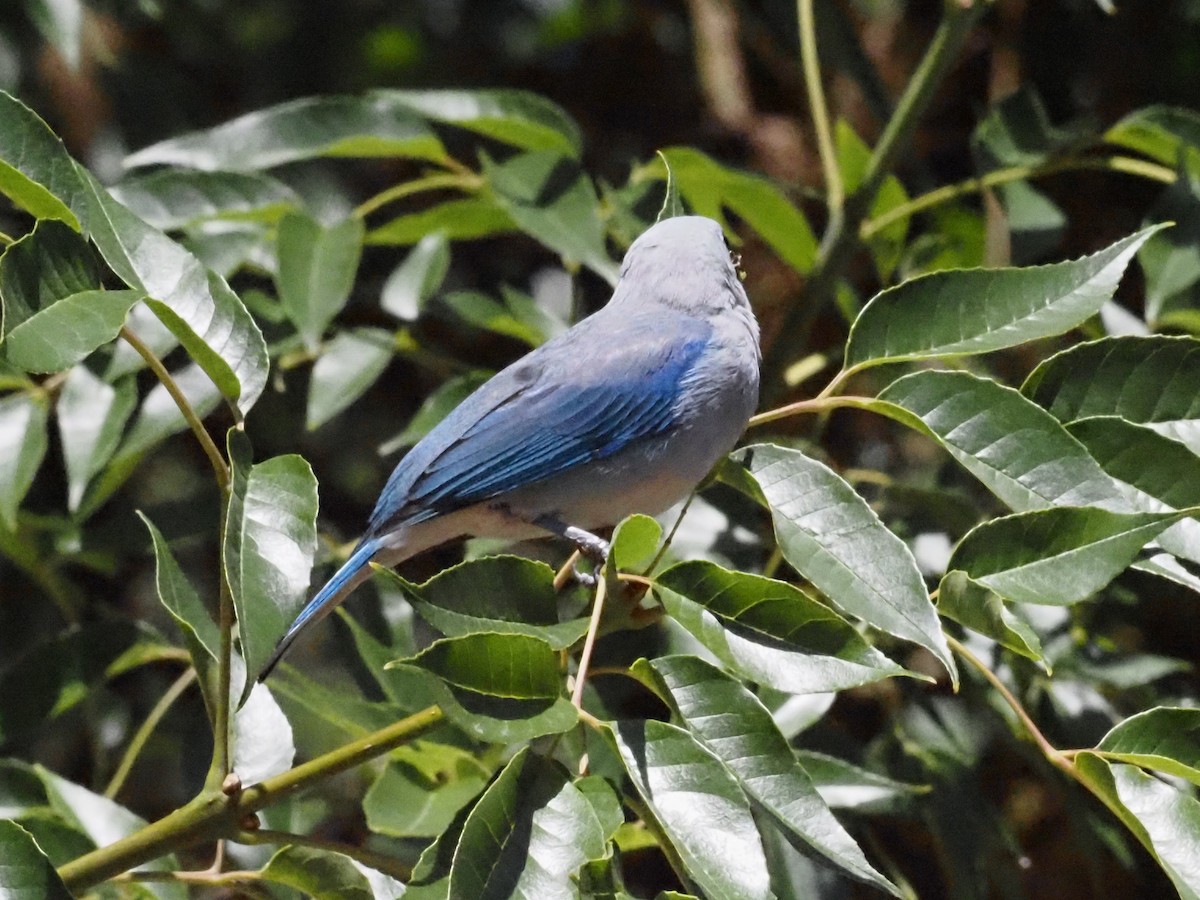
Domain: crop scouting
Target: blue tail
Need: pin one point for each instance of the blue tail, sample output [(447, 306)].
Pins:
[(323, 603)]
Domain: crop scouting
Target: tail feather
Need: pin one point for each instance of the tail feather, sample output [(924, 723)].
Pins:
[(348, 577)]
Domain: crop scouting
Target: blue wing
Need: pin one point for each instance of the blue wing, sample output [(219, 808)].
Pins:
[(565, 404)]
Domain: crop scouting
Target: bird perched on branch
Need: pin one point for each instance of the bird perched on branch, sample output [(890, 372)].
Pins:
[(623, 413)]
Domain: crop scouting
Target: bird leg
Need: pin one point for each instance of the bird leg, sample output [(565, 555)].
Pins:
[(592, 546)]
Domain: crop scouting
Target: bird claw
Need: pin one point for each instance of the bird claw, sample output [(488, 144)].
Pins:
[(587, 579)]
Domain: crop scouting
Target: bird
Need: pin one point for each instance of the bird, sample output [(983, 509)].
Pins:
[(625, 412)]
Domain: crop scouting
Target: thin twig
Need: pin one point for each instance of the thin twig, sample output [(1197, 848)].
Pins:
[(585, 657), (466, 181), (946, 193), (220, 470), (1048, 750), (138, 741), (811, 66)]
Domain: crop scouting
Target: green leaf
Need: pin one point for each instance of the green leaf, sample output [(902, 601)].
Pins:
[(494, 595), (261, 740), (1171, 258), (25, 872), (732, 724), (1017, 449), (347, 367), (769, 631), (422, 789), (372, 126), (1055, 556), (43, 267), (1165, 820), (1147, 380), (91, 415), (57, 337), (518, 118), (488, 715), (319, 874), (635, 543), (698, 804), (417, 278), (459, 220), (1166, 739), (970, 603), (508, 666), (36, 172), (270, 540), (102, 820), (853, 159), (981, 310), (1017, 132), (478, 309), (317, 265), (435, 408), (550, 198), (1170, 135), (846, 786), (196, 305), (832, 537), (1035, 223), (176, 593), (22, 445), (711, 188), (526, 837), (176, 198)]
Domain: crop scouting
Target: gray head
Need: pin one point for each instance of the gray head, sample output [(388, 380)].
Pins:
[(683, 262)]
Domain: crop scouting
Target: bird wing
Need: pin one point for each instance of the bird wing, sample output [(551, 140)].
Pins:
[(560, 407)]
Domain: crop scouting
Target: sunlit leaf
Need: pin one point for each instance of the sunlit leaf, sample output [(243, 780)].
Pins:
[(22, 445), (710, 188), (270, 540), (43, 267), (320, 874), (493, 595), (317, 265), (36, 172), (1166, 739), (1017, 449), (175, 198), (983, 610), (526, 837), (1147, 380), (731, 723), (417, 278), (980, 310), (347, 367), (91, 415), (550, 198), (769, 631), (844, 785), (519, 118), (422, 788), (57, 337), (375, 125), (197, 306), (699, 805), (1055, 556), (829, 534)]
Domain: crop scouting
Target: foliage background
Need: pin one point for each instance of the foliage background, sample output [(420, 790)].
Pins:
[(636, 76)]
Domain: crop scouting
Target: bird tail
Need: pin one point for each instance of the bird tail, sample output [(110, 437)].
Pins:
[(348, 577)]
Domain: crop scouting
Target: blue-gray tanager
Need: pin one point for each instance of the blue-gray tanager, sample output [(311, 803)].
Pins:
[(624, 413)]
